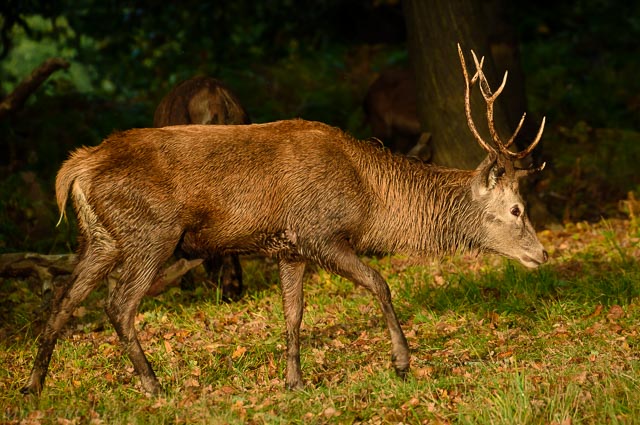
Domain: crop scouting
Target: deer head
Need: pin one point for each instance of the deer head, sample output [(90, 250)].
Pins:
[(495, 186)]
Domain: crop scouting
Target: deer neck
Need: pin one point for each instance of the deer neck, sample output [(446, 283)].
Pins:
[(421, 209)]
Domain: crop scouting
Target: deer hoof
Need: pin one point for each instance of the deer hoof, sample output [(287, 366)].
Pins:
[(295, 386), (29, 390), (402, 372)]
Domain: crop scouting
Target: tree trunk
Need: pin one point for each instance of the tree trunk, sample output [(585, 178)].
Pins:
[(433, 29)]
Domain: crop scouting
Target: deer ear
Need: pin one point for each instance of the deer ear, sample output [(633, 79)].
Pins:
[(488, 173)]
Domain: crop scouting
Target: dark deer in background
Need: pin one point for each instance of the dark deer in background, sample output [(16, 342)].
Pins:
[(300, 191), (390, 108), (200, 100), (205, 100)]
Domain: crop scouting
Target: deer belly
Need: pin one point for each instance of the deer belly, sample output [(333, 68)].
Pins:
[(271, 243)]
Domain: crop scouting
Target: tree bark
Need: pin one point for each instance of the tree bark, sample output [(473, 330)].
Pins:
[(433, 29)]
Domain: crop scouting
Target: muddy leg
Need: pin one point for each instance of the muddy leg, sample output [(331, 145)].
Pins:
[(291, 273), (92, 268), (138, 275)]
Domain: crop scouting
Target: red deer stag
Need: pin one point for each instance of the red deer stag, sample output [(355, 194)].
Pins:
[(205, 100), (300, 191)]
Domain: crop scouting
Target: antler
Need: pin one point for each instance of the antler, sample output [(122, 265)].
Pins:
[(490, 98), (467, 101)]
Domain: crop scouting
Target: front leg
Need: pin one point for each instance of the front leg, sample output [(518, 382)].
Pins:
[(291, 273), (342, 260)]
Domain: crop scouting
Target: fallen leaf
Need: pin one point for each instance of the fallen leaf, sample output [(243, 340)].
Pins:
[(412, 402), (423, 372), (580, 378), (191, 382), (160, 402), (560, 332), (80, 312), (227, 390), (615, 312), (240, 350), (330, 412), (337, 343), (505, 354), (595, 312)]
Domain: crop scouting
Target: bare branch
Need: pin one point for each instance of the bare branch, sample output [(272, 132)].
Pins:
[(16, 99)]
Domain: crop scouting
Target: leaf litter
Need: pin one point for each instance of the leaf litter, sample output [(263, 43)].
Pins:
[(233, 355)]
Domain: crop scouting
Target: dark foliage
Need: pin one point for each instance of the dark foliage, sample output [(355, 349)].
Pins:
[(287, 60)]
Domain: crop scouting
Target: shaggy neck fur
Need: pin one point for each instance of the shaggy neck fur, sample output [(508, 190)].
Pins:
[(419, 209)]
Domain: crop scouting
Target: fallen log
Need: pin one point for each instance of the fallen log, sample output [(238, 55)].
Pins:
[(47, 268)]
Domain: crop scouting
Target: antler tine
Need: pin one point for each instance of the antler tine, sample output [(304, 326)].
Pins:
[(467, 100), (490, 99), (515, 133), (528, 171), (484, 84), (533, 144)]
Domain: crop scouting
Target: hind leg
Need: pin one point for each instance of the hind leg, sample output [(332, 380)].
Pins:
[(95, 263), (226, 272), (291, 274), (139, 272)]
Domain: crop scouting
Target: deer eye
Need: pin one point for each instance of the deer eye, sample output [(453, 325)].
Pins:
[(515, 211)]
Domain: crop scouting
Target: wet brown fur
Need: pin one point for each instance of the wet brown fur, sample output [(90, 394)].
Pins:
[(206, 100)]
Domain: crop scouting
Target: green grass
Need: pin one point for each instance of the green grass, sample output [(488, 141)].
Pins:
[(491, 343)]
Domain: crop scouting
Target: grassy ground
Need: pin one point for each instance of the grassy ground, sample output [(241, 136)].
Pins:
[(491, 343)]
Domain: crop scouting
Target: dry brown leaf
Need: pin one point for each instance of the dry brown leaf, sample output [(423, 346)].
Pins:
[(80, 312), (615, 312), (191, 383), (595, 312), (412, 402), (331, 412), (239, 351), (580, 378)]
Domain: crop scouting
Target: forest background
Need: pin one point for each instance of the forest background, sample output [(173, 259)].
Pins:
[(579, 59)]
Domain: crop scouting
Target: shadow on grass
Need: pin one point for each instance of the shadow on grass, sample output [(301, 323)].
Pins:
[(512, 290), (519, 291), (23, 313)]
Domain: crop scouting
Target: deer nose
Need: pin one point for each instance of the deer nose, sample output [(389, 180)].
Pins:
[(545, 256)]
